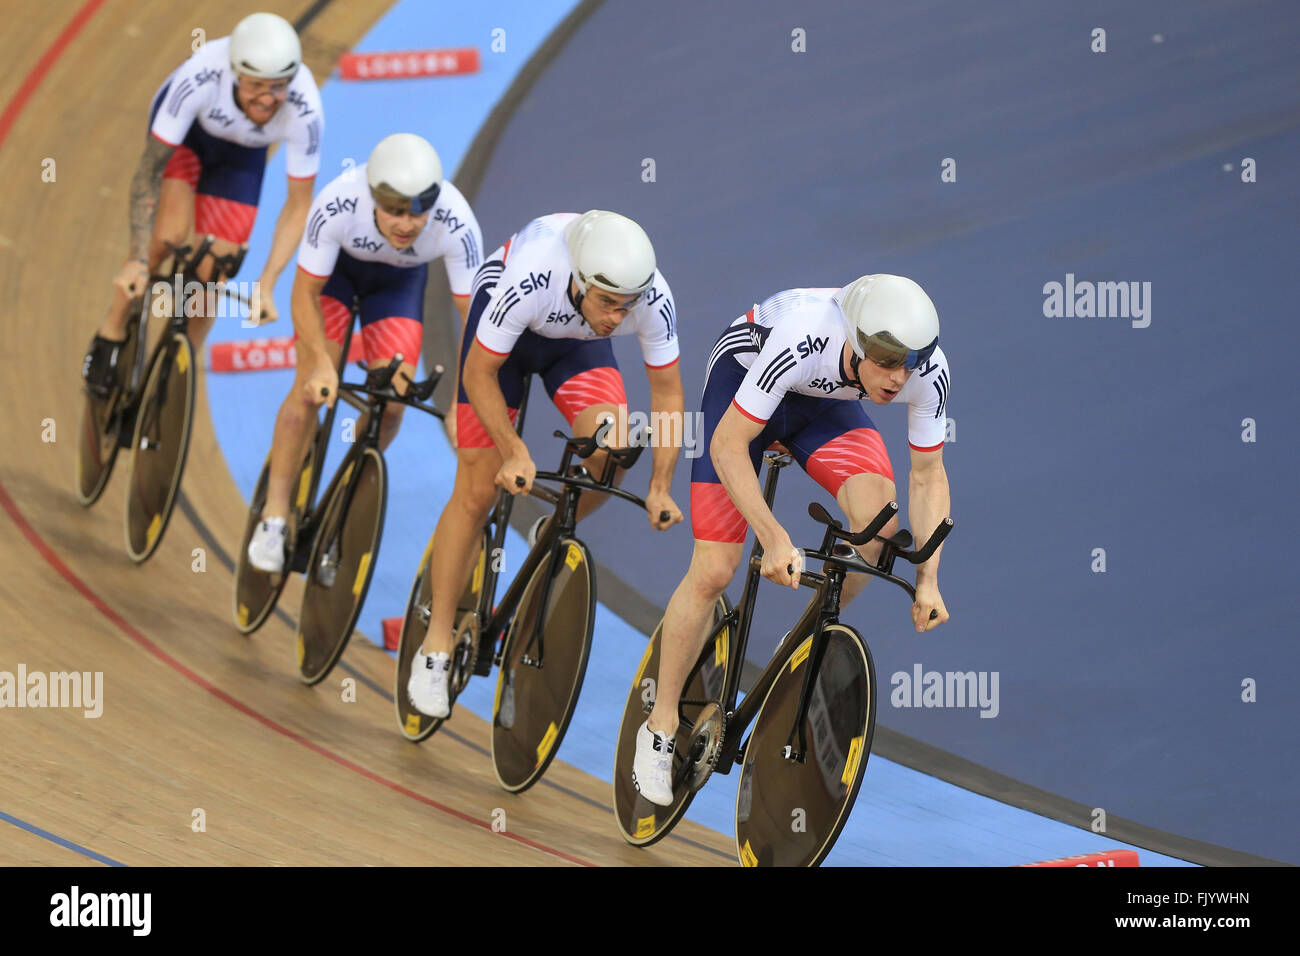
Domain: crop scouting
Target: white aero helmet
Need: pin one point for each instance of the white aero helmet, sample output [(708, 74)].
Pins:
[(610, 252), (890, 320), (405, 167), (266, 46)]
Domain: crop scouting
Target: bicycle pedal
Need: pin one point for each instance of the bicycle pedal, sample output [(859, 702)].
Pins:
[(483, 665)]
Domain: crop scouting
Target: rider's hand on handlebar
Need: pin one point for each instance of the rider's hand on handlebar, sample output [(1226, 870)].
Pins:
[(928, 611), (132, 278), (782, 561), (514, 468), (323, 383), (656, 504)]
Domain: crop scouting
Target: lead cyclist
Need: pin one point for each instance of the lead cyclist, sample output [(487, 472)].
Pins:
[(792, 371), (210, 126)]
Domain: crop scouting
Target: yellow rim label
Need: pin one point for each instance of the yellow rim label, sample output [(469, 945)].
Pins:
[(154, 527), (851, 764), (747, 857), (574, 557), (645, 659), (479, 569), (304, 485), (800, 655), (182, 360), (645, 827), (412, 723), (243, 615), (361, 574), (720, 650), (548, 741), (302, 650)]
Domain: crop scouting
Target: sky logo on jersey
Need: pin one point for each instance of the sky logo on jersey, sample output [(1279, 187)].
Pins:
[(361, 242), (454, 225), (563, 317), (534, 281), (810, 345), (296, 98), (218, 116), (825, 384), (207, 76), (336, 206)]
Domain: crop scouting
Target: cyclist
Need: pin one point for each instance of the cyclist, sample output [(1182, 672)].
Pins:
[(546, 302), (372, 233), (790, 371), (210, 126)]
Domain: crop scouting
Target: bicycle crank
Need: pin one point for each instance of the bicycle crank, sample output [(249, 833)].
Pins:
[(706, 745), (465, 651)]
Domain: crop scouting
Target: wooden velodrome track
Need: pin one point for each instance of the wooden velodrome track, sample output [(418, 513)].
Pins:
[(195, 716)]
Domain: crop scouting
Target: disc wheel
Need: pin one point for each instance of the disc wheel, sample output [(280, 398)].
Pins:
[(417, 726), (539, 680), (341, 565), (257, 592), (160, 444), (640, 821), (789, 812), (99, 432)]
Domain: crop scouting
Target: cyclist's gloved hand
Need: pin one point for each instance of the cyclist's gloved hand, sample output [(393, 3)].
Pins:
[(262, 309), (322, 381), (514, 468), (132, 278), (928, 611), (658, 502)]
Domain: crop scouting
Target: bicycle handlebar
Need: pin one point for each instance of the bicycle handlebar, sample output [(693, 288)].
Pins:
[(379, 384)]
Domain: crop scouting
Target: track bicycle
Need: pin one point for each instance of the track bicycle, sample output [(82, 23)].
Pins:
[(152, 412), (540, 632), (803, 732)]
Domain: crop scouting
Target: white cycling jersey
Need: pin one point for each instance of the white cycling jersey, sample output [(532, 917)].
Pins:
[(532, 272), (203, 88), (794, 342), (342, 219)]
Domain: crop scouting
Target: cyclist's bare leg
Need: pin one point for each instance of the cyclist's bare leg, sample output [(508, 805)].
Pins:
[(456, 538), (294, 427), (687, 624), (861, 497), (172, 223), (584, 426)]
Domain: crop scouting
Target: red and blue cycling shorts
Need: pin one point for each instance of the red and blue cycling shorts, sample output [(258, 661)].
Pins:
[(392, 306), (577, 373), (831, 439)]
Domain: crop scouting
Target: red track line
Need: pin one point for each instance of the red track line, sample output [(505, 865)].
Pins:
[(7, 119), (37, 74)]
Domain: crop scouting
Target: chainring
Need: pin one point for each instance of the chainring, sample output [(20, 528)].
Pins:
[(705, 745)]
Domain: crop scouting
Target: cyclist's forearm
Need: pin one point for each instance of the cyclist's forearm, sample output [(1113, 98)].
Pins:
[(146, 185), (288, 233), (928, 504), (308, 324), (731, 461), (668, 408)]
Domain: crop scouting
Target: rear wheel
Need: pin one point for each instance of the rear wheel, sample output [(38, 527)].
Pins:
[(543, 662), (640, 821), (99, 434), (789, 812), (415, 725), (341, 565), (160, 444)]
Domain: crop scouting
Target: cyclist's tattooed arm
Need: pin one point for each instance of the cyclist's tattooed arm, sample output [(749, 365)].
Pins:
[(145, 186)]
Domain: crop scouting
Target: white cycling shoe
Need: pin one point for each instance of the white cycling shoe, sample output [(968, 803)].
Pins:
[(266, 549), (652, 767), (428, 687)]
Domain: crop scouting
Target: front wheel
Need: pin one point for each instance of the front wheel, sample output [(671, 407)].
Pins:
[(99, 435), (160, 445), (640, 821), (417, 726), (791, 806), (341, 564), (543, 662)]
